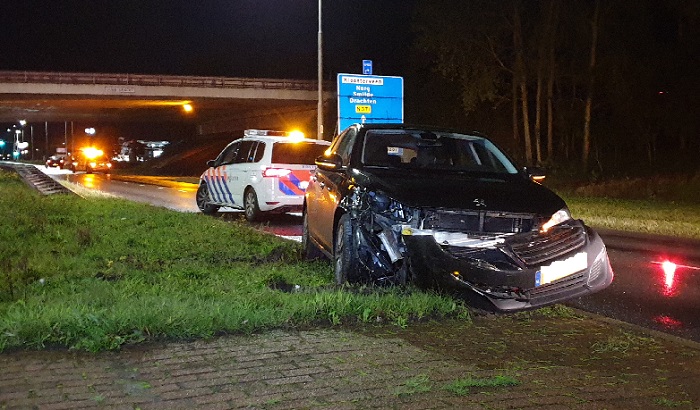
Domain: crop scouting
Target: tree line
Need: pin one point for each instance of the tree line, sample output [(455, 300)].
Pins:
[(603, 87)]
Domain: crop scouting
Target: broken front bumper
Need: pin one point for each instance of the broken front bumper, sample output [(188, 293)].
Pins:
[(499, 278)]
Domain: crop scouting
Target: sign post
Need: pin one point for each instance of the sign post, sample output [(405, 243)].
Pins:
[(369, 99)]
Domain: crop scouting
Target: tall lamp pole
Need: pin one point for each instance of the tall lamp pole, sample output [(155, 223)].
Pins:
[(320, 73)]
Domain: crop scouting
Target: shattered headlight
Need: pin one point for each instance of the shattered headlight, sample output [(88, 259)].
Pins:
[(383, 204), (560, 216)]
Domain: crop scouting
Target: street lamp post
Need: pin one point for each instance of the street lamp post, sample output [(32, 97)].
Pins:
[(320, 72)]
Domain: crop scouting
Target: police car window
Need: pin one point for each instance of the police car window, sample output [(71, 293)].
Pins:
[(243, 151), (296, 152), (260, 151), (229, 154)]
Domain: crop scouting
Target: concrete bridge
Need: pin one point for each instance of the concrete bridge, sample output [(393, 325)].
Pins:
[(218, 104)]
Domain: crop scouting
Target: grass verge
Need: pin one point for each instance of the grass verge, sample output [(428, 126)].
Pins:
[(637, 215), (98, 273)]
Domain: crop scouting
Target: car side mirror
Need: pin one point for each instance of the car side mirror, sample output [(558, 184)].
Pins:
[(331, 162), (535, 174), (211, 163)]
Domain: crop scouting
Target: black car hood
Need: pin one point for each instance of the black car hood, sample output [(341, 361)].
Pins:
[(510, 193)]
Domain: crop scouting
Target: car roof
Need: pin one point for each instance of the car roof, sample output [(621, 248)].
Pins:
[(405, 126)]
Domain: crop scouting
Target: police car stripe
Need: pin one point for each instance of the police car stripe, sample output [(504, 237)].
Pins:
[(216, 182), (290, 185), (228, 191), (287, 190)]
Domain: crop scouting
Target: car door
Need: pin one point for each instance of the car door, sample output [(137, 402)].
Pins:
[(217, 176), (238, 172), (325, 192)]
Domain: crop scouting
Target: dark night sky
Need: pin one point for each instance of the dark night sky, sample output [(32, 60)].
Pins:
[(249, 38)]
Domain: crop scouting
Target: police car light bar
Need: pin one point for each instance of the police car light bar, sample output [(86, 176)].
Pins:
[(263, 133)]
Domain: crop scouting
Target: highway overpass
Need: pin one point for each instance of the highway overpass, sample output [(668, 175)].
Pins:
[(219, 104)]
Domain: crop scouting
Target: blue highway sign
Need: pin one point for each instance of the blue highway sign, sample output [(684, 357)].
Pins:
[(370, 99)]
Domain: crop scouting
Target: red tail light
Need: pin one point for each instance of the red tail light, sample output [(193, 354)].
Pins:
[(276, 172)]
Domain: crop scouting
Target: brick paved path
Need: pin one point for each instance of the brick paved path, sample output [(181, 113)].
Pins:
[(322, 369)]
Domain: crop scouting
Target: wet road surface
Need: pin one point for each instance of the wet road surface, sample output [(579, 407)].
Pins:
[(643, 294)]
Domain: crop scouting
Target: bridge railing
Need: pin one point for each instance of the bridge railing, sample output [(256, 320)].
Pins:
[(153, 80)]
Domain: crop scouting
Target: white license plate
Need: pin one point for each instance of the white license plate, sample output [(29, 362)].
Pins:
[(560, 269)]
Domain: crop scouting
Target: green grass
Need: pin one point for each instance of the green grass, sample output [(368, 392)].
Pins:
[(638, 215), (623, 342), (415, 385), (462, 387), (98, 273)]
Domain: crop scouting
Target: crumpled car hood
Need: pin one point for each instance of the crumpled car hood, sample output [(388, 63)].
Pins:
[(459, 191)]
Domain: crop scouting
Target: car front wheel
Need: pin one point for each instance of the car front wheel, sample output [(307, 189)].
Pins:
[(250, 205), (345, 258), (203, 200)]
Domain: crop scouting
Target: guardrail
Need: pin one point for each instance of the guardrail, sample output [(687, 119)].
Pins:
[(153, 80)]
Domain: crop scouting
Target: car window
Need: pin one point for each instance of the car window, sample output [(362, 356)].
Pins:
[(259, 152), (243, 152), (428, 150), (296, 152), (343, 144), (228, 154)]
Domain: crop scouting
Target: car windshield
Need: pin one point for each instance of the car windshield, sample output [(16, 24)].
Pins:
[(296, 152), (416, 149)]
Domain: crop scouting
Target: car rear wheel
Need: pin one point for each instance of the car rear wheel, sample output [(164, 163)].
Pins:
[(250, 205), (345, 260), (203, 200), (311, 251)]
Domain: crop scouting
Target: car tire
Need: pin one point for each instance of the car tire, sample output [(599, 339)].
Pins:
[(310, 251), (345, 258), (202, 199), (251, 209)]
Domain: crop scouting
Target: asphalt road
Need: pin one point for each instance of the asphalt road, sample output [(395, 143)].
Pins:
[(642, 293)]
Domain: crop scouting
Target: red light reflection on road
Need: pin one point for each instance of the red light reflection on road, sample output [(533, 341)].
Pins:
[(669, 276), (668, 322), (670, 283)]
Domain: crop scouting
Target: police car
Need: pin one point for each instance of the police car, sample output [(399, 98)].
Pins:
[(265, 171)]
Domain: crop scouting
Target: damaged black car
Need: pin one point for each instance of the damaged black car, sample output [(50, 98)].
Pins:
[(392, 204)]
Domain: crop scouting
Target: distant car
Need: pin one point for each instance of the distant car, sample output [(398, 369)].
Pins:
[(57, 161), (89, 159), (263, 172), (394, 204)]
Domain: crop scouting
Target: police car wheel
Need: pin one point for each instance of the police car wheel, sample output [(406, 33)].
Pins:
[(250, 205), (202, 199)]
